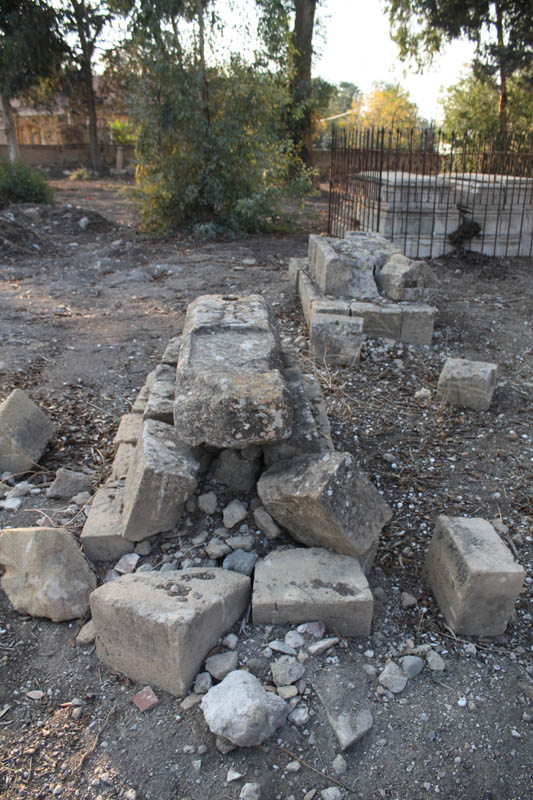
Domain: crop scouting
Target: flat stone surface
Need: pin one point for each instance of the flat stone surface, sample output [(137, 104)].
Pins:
[(160, 404), (418, 320), (172, 352), (123, 459), (143, 395), (343, 696), (25, 430), (229, 388), (239, 709), (101, 538), (383, 320), (67, 483), (469, 384), (345, 267), (158, 628), (325, 501), (336, 340), (473, 576), (301, 585), (45, 574), (129, 430), (160, 480)]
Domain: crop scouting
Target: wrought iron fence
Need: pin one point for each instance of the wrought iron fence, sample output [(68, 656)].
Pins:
[(431, 194)]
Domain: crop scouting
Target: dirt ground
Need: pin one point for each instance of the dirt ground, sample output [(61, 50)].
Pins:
[(85, 313)]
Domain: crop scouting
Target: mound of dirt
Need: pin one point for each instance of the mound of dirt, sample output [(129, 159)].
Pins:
[(17, 237)]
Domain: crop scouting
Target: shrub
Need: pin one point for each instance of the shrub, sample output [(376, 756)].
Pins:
[(22, 184)]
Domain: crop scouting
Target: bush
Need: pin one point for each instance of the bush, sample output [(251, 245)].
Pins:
[(22, 184)]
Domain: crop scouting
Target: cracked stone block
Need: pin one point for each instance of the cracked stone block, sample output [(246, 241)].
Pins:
[(336, 340), (310, 429), (129, 430), (230, 392), (144, 393), (473, 576), (160, 403), (470, 384), (345, 268), (395, 275), (379, 320), (160, 480), (101, 538), (25, 430), (45, 574), (172, 352), (325, 501), (302, 585), (157, 630), (418, 320)]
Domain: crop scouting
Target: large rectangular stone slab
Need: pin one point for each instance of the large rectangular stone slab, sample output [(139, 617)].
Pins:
[(157, 630), (418, 320), (160, 480), (25, 430), (336, 340), (325, 501), (303, 585), (129, 430), (101, 538), (160, 404), (229, 388), (379, 320), (473, 576)]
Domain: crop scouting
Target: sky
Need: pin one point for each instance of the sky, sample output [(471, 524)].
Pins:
[(354, 45)]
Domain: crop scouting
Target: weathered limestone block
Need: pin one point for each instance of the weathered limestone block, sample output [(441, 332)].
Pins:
[(313, 302), (310, 430), (157, 630), (160, 404), (25, 430), (395, 275), (473, 576), (172, 352), (302, 585), (418, 320), (144, 393), (296, 266), (345, 268), (231, 469), (46, 574), (129, 430), (229, 388), (325, 501), (336, 340), (160, 480), (123, 459), (469, 384), (101, 538), (67, 483), (379, 320)]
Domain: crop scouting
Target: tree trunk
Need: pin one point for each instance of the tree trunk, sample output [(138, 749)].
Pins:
[(96, 161), (502, 73), (87, 44), (300, 86), (11, 133), (201, 48)]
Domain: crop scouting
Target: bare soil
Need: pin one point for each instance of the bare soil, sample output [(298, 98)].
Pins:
[(85, 314)]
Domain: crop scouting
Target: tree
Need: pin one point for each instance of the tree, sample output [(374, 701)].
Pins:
[(500, 29), (471, 107), (86, 22), (31, 48), (388, 106)]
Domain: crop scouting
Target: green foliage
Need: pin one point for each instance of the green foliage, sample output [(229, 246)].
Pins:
[(22, 184), (80, 174), (123, 132)]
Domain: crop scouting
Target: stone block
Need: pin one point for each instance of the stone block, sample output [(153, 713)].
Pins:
[(129, 430), (310, 429), (25, 430), (308, 295), (469, 384), (302, 585), (160, 403), (172, 352), (394, 276), (101, 538), (144, 393), (296, 265), (379, 320), (473, 576), (46, 574), (158, 630), (345, 267), (325, 501), (160, 480), (229, 389), (232, 470), (336, 340), (418, 320), (123, 459)]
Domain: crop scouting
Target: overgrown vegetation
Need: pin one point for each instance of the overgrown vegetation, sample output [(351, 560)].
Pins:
[(22, 184)]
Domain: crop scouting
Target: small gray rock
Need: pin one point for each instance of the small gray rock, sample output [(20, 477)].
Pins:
[(331, 793), (286, 670), (68, 483), (407, 600), (435, 662), (339, 765), (250, 791), (207, 503), (217, 548), (234, 513), (222, 664), (240, 561), (393, 678), (412, 665), (266, 523), (202, 683), (299, 716)]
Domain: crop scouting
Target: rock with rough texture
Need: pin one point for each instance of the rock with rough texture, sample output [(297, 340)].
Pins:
[(172, 352), (46, 574), (157, 628), (129, 430), (221, 664), (25, 430), (343, 696), (301, 585), (67, 483), (234, 513), (143, 395), (336, 340), (286, 670), (160, 404), (469, 384), (393, 678), (418, 320), (229, 389), (325, 501), (232, 470), (239, 709), (101, 535), (345, 267), (266, 523), (161, 478), (250, 791), (240, 561), (473, 576), (207, 502)]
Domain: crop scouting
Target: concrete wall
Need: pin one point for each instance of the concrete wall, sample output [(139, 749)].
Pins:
[(66, 155)]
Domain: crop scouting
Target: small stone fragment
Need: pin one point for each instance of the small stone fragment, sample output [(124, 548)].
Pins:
[(407, 600), (286, 670), (339, 765), (207, 502), (250, 791), (412, 665), (68, 483), (393, 678), (470, 384), (317, 648), (86, 634), (233, 775), (234, 513), (217, 548), (127, 564), (145, 699), (240, 561), (25, 430), (222, 664), (266, 523), (299, 716), (202, 683), (435, 662), (331, 793)]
